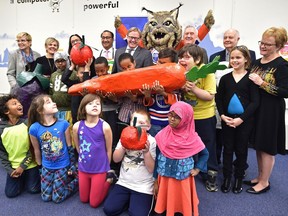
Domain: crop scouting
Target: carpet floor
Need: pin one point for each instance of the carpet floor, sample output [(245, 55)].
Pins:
[(272, 203)]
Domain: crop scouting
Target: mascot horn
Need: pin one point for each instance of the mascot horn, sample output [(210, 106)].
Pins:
[(162, 29)]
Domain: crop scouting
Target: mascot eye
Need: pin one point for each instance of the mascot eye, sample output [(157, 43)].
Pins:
[(167, 23), (153, 23)]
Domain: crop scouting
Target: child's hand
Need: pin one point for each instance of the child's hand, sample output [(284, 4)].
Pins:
[(84, 92), (111, 96), (190, 86), (111, 177), (146, 90), (156, 188), (72, 170), (226, 119), (72, 66), (147, 147), (88, 64), (159, 89), (17, 172), (194, 172), (231, 122), (100, 93), (184, 87), (129, 94), (236, 122)]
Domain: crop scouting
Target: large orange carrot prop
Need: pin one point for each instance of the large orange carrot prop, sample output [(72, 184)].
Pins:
[(170, 75)]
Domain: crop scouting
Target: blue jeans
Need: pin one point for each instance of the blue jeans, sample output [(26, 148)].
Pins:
[(29, 180), (120, 198)]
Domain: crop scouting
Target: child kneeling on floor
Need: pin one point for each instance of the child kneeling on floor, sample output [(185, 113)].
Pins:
[(15, 155), (51, 141), (134, 189)]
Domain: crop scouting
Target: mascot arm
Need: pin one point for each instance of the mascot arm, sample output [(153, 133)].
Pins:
[(141, 44), (202, 32), (180, 45), (209, 20), (205, 28), (122, 30)]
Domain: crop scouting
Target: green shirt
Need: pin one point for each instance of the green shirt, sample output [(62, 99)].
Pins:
[(14, 147)]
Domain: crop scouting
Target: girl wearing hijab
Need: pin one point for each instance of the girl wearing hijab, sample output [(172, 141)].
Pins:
[(178, 142)]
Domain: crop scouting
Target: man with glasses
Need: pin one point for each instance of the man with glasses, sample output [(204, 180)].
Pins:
[(108, 51), (143, 57)]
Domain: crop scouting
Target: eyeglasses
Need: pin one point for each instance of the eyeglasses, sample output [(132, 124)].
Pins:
[(22, 41), (75, 41), (265, 44), (133, 38), (176, 117), (107, 37)]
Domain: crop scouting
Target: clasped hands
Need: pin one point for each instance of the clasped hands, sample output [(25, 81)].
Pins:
[(231, 122)]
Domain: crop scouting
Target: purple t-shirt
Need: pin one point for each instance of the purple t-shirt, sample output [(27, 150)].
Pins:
[(92, 154)]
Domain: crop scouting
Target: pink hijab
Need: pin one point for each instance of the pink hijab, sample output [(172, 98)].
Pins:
[(180, 142)]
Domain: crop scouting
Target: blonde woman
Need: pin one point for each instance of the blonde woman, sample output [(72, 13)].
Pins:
[(21, 59), (270, 74), (47, 61)]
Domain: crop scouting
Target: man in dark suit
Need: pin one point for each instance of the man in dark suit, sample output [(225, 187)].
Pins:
[(143, 57), (230, 40)]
